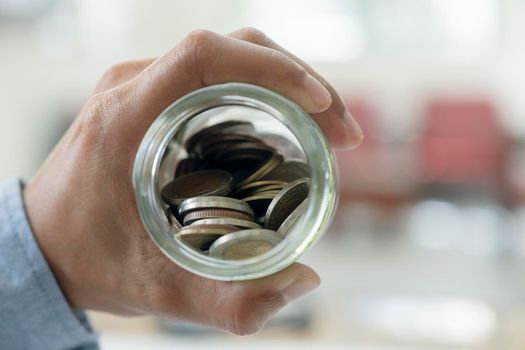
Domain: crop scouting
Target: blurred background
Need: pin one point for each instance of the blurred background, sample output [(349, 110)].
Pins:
[(427, 250)]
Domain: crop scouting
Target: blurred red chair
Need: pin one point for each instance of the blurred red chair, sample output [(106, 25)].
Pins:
[(373, 172), (462, 143)]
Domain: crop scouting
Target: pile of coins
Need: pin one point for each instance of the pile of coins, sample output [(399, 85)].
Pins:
[(235, 196)]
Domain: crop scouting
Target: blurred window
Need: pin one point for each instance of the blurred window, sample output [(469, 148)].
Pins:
[(341, 30)]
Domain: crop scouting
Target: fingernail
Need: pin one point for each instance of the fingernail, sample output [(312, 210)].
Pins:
[(298, 288), (318, 93), (353, 131)]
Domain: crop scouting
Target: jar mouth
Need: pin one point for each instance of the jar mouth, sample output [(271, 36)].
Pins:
[(322, 197)]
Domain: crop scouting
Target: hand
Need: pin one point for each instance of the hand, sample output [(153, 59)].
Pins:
[(81, 203)]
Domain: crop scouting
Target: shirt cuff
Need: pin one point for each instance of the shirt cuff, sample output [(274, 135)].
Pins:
[(33, 311)]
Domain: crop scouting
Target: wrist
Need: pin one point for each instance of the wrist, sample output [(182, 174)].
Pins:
[(38, 210)]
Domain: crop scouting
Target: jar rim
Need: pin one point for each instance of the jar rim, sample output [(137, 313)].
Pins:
[(322, 197)]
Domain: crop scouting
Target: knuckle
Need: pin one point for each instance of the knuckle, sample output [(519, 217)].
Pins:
[(197, 51), (251, 311), (280, 57), (252, 34), (243, 322), (297, 76), (199, 39), (99, 112), (291, 71), (114, 73), (94, 115)]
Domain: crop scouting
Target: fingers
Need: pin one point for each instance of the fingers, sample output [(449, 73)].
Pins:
[(336, 122), (205, 58), (238, 307), (121, 73)]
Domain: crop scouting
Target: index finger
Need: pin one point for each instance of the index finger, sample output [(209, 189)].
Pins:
[(205, 58), (336, 122)]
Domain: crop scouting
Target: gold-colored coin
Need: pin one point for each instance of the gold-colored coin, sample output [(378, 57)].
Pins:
[(244, 244), (260, 171), (260, 183), (202, 236), (227, 221)]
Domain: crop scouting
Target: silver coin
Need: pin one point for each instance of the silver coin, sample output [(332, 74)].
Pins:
[(227, 221), (244, 244), (215, 202), (196, 215), (292, 219), (285, 203)]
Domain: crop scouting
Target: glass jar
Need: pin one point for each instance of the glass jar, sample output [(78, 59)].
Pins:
[(272, 114)]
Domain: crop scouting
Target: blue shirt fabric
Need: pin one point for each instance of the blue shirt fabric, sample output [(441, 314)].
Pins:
[(33, 311)]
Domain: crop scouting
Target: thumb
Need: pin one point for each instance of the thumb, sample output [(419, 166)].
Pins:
[(250, 304)]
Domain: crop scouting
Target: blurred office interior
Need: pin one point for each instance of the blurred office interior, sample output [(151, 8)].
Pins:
[(427, 249)]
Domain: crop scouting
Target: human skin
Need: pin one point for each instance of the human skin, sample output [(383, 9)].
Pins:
[(81, 203)]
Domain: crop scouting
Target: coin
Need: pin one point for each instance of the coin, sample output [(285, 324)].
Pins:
[(188, 165), (214, 202), (202, 236), (287, 148), (227, 221), (244, 244), (292, 219), (244, 147), (246, 176), (222, 140), (260, 183), (265, 190), (260, 202), (175, 224), (196, 184), (288, 172), (268, 193), (269, 188), (249, 203), (243, 160), (233, 126), (215, 213), (285, 202)]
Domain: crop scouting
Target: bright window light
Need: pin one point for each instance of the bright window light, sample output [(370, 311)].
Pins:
[(321, 31), (466, 23), (454, 322)]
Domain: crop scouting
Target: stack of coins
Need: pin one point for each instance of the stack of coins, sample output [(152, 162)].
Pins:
[(234, 197)]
